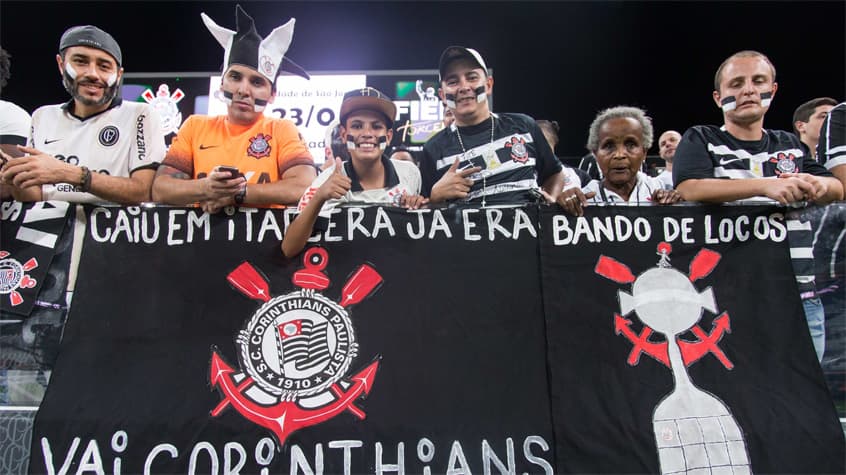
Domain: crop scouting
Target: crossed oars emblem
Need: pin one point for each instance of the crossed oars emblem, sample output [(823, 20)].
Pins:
[(287, 416), (694, 430)]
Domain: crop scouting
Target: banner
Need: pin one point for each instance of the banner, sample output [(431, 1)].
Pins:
[(438, 367), (437, 341), (681, 345)]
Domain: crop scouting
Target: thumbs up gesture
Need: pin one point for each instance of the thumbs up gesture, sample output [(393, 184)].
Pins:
[(336, 186)]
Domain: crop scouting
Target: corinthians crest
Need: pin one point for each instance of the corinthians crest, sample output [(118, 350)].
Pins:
[(295, 351), (164, 103), (13, 276)]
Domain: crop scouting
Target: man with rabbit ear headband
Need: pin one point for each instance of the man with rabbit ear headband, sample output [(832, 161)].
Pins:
[(242, 158), (246, 47)]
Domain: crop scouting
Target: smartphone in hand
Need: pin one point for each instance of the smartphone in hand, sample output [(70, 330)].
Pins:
[(233, 171)]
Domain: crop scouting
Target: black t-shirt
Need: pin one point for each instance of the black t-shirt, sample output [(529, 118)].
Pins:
[(831, 151), (517, 160), (707, 151)]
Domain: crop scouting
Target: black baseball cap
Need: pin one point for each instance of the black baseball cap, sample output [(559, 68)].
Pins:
[(93, 37), (456, 52), (368, 98)]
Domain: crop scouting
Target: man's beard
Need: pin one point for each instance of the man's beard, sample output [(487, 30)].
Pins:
[(72, 86)]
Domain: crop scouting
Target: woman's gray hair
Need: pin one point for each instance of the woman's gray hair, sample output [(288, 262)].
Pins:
[(618, 112)]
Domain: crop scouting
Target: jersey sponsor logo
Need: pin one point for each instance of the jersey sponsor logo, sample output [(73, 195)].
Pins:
[(206, 147), (519, 152), (259, 146), (296, 350), (140, 141), (109, 135)]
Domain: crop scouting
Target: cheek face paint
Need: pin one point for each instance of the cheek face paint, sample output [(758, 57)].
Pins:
[(481, 96), (71, 72), (223, 96), (728, 103), (449, 99), (383, 142), (766, 99)]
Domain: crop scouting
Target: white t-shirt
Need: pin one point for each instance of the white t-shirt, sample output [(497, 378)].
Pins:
[(642, 192), (666, 178), (118, 141), (14, 124), (401, 177)]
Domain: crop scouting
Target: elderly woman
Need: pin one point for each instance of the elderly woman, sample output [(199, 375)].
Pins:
[(619, 137)]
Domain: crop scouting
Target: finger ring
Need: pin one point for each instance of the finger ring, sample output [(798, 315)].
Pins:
[(573, 197)]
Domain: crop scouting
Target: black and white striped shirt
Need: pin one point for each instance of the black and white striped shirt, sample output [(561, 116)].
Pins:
[(706, 151), (711, 152), (831, 150), (515, 162)]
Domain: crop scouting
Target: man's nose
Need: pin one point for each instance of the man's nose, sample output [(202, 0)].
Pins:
[(89, 70), (243, 88), (464, 84)]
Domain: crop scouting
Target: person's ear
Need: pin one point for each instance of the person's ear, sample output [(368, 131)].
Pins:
[(717, 99)]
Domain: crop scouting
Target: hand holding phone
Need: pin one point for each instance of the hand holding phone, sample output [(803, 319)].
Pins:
[(233, 171)]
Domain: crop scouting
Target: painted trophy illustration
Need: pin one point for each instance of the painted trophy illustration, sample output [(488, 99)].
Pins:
[(694, 430)]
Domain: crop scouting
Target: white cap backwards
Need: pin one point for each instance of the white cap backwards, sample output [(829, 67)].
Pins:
[(247, 48)]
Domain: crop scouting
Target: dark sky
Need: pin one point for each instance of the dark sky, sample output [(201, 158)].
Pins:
[(553, 60)]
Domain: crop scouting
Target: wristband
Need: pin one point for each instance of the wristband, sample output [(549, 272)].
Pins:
[(239, 198), (85, 181)]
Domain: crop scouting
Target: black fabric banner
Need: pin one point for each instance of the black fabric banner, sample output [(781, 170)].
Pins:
[(30, 234), (745, 392), (456, 327), (436, 341)]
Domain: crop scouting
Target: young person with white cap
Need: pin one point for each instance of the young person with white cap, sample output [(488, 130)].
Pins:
[(95, 147), (366, 123), (265, 160), (484, 157)]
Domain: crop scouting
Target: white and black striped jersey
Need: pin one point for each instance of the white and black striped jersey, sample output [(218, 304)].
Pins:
[(118, 141), (711, 152), (513, 164), (831, 150), (706, 151)]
